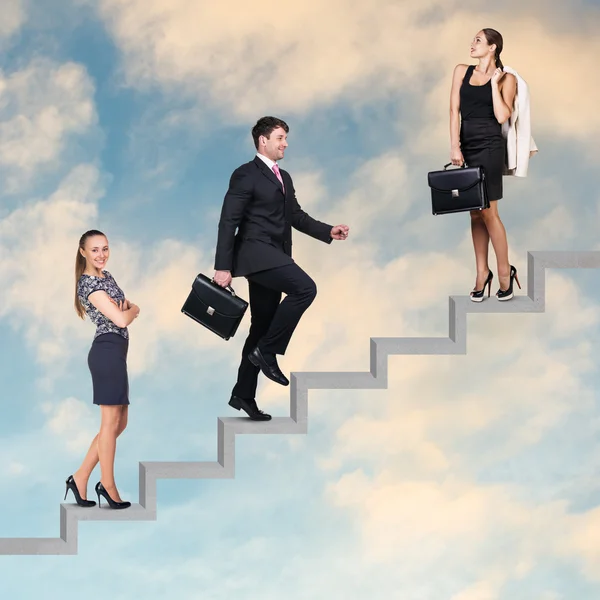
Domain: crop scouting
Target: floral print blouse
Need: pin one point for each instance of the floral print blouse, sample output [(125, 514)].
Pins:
[(90, 283)]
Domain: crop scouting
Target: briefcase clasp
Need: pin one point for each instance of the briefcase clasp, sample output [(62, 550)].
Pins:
[(210, 310), (455, 193)]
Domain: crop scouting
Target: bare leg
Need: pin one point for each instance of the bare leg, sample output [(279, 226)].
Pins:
[(82, 475), (497, 234), (481, 244), (107, 445)]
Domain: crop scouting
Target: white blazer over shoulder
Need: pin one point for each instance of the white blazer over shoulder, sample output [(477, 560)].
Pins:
[(520, 146)]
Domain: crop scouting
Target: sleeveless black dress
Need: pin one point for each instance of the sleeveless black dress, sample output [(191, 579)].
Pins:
[(481, 140)]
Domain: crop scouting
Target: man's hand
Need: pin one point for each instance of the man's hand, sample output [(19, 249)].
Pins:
[(340, 232), (222, 278)]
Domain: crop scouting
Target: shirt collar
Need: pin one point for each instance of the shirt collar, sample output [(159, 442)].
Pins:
[(266, 160)]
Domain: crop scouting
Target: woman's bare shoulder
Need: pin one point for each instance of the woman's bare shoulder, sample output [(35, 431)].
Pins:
[(461, 67), (509, 79)]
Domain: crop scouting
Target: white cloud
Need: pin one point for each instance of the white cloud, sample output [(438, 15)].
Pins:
[(41, 106), (16, 468), (482, 590), (378, 192), (289, 60), (65, 431), (582, 540), (13, 17), (218, 43), (454, 525), (72, 421), (38, 245)]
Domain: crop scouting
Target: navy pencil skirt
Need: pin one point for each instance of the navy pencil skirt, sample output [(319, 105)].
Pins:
[(107, 361)]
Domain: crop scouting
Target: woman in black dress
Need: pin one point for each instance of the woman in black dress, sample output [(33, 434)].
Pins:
[(481, 100), (98, 295)]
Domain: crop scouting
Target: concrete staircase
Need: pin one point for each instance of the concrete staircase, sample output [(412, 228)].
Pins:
[(300, 383)]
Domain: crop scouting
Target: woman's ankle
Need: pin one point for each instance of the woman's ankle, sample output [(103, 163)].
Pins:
[(81, 476), (504, 273)]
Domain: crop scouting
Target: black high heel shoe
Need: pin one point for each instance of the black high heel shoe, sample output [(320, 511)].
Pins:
[(477, 295), (508, 294), (71, 485), (101, 490)]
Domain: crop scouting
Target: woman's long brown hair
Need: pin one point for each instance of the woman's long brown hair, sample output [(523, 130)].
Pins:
[(80, 268), (494, 37)]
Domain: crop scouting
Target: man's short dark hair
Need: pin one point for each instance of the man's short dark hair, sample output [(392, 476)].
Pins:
[(265, 126)]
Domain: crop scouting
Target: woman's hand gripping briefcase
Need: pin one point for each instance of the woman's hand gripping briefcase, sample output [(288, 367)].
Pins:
[(457, 190)]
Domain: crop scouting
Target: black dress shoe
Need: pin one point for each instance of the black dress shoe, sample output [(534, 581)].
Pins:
[(250, 407), (269, 368)]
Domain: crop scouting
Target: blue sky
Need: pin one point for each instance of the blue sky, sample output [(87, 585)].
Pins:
[(472, 477)]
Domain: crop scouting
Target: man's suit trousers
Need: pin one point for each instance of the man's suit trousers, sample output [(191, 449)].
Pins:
[(272, 322)]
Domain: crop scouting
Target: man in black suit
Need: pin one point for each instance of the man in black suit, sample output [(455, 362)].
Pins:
[(261, 204)]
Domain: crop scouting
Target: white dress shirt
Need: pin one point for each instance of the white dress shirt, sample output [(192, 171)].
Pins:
[(266, 160)]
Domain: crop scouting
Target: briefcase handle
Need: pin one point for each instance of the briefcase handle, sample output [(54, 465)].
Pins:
[(463, 166), (228, 288)]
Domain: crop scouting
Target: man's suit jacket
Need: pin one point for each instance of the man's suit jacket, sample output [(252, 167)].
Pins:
[(264, 216)]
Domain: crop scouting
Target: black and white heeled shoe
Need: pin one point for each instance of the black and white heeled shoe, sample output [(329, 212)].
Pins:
[(507, 294), (477, 295)]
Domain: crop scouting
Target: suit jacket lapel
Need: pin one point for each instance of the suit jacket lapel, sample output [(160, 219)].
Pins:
[(268, 173), (286, 181)]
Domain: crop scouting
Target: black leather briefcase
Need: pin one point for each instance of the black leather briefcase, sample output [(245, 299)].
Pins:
[(458, 190), (215, 307)]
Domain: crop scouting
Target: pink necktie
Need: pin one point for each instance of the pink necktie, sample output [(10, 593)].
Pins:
[(278, 175)]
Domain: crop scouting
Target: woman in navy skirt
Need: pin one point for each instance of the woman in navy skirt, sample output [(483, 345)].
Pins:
[(482, 96), (98, 295)]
